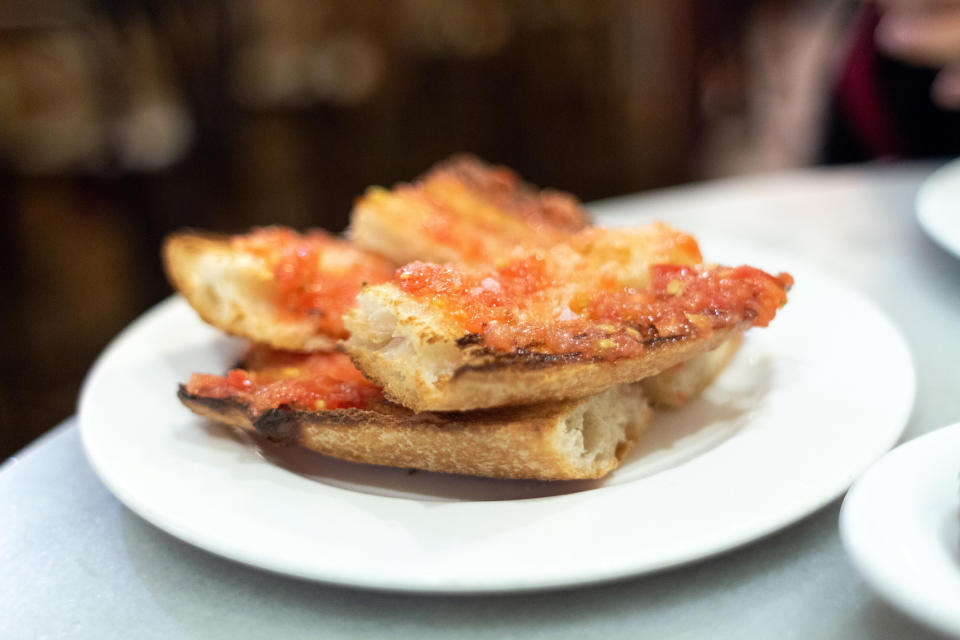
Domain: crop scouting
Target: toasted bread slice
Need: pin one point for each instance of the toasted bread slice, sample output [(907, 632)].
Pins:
[(273, 285), (462, 210), (564, 322), (396, 343), (568, 440)]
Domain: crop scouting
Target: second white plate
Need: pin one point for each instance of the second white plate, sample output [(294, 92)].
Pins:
[(900, 525), (806, 405), (938, 207)]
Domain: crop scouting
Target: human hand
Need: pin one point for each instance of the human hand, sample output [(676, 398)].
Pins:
[(925, 33)]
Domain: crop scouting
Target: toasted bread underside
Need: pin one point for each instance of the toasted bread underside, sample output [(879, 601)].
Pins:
[(568, 440), (682, 382), (424, 364), (233, 291)]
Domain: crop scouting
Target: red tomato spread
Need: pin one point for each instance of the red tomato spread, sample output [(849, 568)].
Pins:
[(470, 190), (470, 210), (571, 300), (273, 379), (316, 276)]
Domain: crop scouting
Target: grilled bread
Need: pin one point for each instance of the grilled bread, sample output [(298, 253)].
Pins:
[(236, 289), (605, 307), (273, 285), (462, 210), (279, 395)]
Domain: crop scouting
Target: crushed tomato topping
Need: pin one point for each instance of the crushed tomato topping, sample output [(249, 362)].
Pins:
[(580, 298), (316, 276), (475, 210), (274, 379)]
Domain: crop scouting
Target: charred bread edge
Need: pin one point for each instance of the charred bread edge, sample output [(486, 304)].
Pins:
[(519, 442)]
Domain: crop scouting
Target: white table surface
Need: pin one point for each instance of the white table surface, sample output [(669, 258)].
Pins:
[(75, 563)]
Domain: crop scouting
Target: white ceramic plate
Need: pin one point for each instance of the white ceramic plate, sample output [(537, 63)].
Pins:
[(806, 405), (938, 207), (900, 525)]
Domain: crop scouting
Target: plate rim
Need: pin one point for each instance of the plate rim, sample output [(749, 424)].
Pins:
[(927, 213), (877, 573)]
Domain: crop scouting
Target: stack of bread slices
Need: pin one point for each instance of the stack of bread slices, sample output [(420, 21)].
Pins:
[(468, 323)]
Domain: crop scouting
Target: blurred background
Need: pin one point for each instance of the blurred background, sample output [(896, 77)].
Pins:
[(123, 120)]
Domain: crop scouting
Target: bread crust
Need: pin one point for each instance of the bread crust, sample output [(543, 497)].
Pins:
[(232, 291), (571, 440)]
